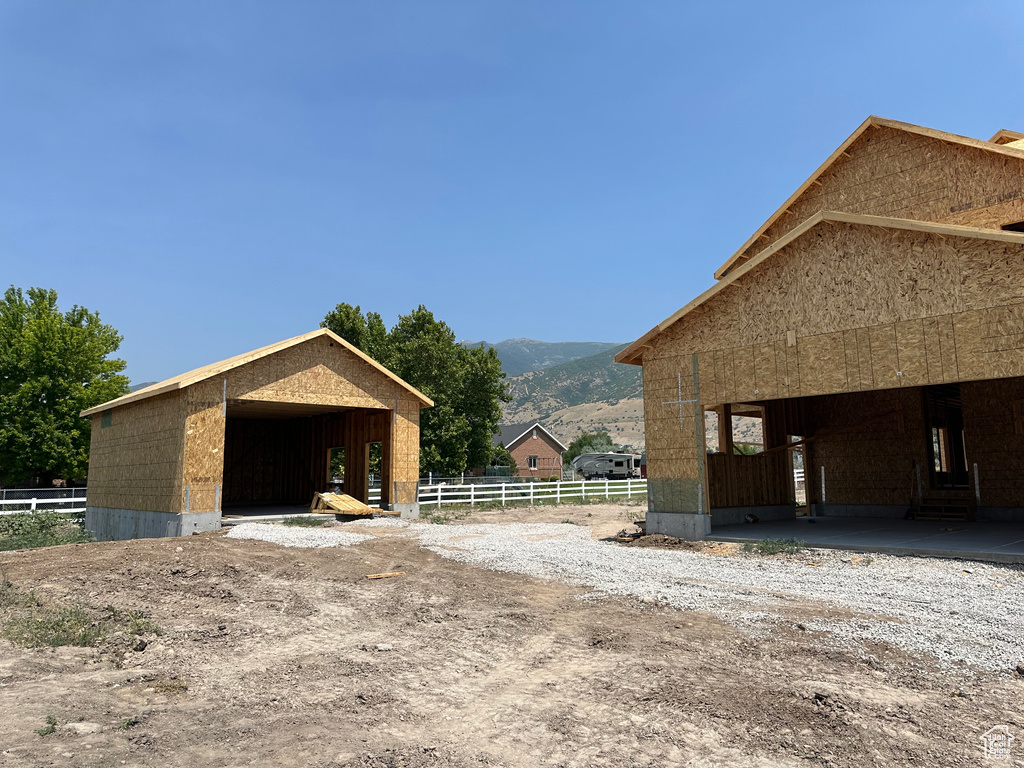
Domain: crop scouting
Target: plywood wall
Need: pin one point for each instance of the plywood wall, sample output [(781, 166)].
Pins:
[(994, 436), (871, 444), (136, 462), (316, 372), (889, 172), (167, 453), (850, 308), (675, 449)]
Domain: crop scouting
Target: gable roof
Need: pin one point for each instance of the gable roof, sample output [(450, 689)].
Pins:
[(995, 145), (510, 434), (634, 351), (208, 371)]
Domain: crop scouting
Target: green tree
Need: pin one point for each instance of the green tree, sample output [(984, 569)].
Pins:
[(589, 442), (466, 385), (500, 457), (53, 365), (366, 333)]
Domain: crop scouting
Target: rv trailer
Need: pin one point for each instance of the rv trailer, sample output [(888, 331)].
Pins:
[(613, 466)]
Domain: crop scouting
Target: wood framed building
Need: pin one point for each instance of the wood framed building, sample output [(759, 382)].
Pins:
[(876, 324), (256, 430)]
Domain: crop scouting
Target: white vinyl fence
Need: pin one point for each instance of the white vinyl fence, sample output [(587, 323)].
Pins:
[(72, 500), (67, 500), (525, 492)]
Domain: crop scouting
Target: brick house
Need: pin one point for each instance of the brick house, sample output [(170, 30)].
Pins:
[(537, 452)]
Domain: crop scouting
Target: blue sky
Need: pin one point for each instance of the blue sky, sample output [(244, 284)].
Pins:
[(215, 176)]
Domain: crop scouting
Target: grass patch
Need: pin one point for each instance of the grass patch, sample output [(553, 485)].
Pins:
[(41, 529), (50, 727), (306, 522), (128, 723), (775, 546), (28, 621)]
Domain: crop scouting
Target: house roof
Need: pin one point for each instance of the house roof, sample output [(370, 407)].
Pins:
[(1001, 143), (634, 351), (208, 371), (510, 434)]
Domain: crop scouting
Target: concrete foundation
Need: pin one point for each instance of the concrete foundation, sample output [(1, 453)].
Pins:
[(736, 515), (119, 524), (1001, 514), (409, 511), (691, 527), (890, 511)]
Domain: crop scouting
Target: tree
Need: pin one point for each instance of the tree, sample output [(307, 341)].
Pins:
[(466, 385), (500, 457), (589, 442), (53, 365)]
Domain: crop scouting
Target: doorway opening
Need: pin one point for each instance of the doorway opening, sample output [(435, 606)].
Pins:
[(946, 446)]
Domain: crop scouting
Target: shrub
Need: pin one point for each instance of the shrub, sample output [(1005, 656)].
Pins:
[(41, 529)]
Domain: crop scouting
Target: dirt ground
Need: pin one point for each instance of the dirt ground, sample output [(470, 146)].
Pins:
[(285, 657)]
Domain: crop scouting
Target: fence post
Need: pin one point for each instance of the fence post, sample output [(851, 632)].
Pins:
[(558, 492), (531, 493), (472, 495), (32, 508), (629, 488), (583, 489), (438, 495), (606, 497), (503, 494)]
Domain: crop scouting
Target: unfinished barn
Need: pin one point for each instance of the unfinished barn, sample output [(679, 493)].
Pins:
[(873, 328), (254, 432)]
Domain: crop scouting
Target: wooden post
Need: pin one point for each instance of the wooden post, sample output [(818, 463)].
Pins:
[(531, 493), (472, 495), (503, 494)]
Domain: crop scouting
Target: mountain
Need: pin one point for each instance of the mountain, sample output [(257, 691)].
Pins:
[(519, 356), (582, 395), (594, 393)]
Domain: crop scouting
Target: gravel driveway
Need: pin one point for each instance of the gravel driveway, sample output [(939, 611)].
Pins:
[(957, 612)]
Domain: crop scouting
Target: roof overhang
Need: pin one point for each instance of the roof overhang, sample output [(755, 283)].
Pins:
[(992, 145), (633, 354), (535, 425), (215, 369)]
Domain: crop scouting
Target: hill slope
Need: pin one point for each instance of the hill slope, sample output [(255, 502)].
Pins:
[(582, 395), (519, 356)]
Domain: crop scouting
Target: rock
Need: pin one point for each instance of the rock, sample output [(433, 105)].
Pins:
[(1020, 670), (385, 647), (83, 729), (140, 645)]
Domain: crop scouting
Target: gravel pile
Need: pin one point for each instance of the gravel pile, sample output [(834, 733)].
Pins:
[(286, 536), (953, 611)]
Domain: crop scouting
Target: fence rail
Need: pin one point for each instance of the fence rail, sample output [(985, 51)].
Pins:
[(72, 500), (17, 500), (534, 493)]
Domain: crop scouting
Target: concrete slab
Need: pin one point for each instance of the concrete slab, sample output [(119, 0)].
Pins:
[(980, 540)]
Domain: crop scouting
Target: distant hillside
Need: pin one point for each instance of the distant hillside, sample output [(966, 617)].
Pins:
[(519, 356), (594, 379), (594, 393)]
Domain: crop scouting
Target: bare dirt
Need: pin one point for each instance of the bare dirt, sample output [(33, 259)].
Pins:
[(286, 657)]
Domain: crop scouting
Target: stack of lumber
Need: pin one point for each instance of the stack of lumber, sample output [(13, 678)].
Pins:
[(343, 504)]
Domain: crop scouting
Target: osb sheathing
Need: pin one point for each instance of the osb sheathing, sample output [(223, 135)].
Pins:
[(871, 445), (169, 454), (849, 307), (994, 439), (136, 462), (889, 172)]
